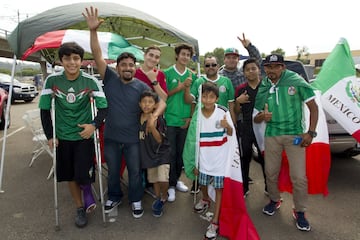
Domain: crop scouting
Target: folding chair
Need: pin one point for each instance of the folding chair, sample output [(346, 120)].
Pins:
[(32, 120)]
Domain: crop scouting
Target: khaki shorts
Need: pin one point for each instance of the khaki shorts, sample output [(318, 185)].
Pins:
[(158, 174)]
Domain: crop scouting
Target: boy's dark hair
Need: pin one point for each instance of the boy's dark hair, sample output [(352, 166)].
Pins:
[(125, 55), (181, 46), (210, 87), (150, 93), (251, 60), (70, 47)]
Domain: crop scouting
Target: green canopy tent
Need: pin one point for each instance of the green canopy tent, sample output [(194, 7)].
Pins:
[(138, 28)]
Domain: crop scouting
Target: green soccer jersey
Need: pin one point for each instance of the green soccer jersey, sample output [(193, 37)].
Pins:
[(226, 89), (285, 101), (176, 109), (72, 102)]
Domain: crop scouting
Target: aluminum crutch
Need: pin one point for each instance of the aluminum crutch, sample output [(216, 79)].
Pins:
[(57, 226), (98, 155)]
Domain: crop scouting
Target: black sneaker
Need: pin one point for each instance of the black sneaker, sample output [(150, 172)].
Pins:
[(81, 219), (193, 190), (270, 208), (301, 223), (110, 205), (137, 209)]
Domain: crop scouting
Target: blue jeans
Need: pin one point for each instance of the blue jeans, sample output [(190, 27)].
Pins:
[(113, 155), (176, 136)]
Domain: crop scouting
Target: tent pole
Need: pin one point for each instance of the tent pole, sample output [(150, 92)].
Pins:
[(7, 123)]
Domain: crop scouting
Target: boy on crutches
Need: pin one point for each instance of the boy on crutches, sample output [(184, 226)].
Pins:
[(74, 126)]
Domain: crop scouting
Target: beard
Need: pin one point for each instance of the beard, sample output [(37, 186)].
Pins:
[(127, 76)]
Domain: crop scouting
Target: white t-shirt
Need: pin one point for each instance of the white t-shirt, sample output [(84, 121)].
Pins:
[(214, 143)]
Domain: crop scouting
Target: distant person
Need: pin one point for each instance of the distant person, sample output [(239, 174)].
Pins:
[(215, 128), (231, 60), (121, 131), (245, 95), (74, 125), (177, 113), (280, 103), (37, 81), (154, 150)]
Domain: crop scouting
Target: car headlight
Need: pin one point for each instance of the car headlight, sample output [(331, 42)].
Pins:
[(17, 89)]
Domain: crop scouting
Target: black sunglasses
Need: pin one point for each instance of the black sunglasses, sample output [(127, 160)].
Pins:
[(212, 65)]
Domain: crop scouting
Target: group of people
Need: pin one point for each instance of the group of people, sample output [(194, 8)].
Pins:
[(147, 113)]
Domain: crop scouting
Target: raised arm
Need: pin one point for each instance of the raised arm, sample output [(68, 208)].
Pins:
[(93, 22)]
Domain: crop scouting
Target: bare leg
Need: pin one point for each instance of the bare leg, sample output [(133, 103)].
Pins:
[(217, 204), (76, 193), (204, 191), (156, 186), (164, 186)]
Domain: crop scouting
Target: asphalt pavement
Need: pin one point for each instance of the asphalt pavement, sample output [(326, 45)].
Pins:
[(27, 203)]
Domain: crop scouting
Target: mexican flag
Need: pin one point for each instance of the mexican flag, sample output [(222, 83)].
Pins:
[(340, 88), (318, 157), (234, 221), (111, 44)]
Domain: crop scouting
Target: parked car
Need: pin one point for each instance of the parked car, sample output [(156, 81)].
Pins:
[(3, 105), (21, 91), (341, 142)]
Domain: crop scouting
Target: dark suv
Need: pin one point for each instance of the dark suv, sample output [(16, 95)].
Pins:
[(21, 91)]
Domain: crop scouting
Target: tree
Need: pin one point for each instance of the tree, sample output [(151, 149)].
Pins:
[(303, 54), (279, 51)]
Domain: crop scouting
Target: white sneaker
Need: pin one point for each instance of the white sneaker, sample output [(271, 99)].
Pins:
[(212, 231), (171, 193), (180, 186), (137, 209)]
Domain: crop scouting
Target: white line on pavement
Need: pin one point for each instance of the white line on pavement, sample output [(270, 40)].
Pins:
[(9, 135)]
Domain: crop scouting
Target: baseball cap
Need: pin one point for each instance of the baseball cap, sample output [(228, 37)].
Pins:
[(273, 59), (233, 51)]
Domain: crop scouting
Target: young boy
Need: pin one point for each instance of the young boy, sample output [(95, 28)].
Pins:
[(74, 125), (215, 128), (154, 149)]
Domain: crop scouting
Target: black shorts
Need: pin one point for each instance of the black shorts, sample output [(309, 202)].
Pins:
[(75, 161)]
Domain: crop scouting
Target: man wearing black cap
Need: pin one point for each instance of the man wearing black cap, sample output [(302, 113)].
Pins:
[(279, 102), (231, 60)]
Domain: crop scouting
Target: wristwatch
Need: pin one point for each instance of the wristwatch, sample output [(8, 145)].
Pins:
[(154, 83), (312, 134)]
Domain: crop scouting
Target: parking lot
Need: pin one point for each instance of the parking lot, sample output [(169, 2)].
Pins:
[(27, 203)]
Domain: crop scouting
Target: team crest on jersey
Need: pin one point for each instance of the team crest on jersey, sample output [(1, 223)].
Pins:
[(70, 98), (291, 90), (222, 89)]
